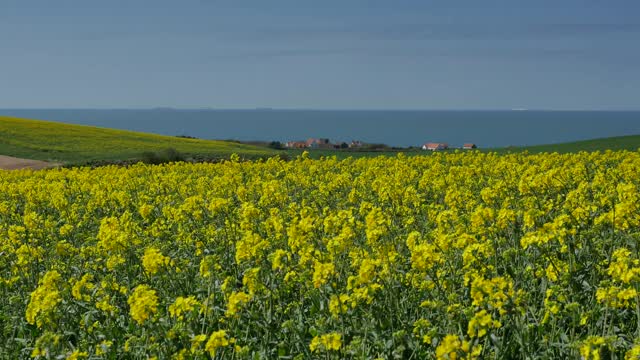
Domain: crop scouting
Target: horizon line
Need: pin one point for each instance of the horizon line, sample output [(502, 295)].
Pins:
[(170, 108)]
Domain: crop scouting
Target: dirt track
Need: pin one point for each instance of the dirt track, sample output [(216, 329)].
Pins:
[(12, 163)]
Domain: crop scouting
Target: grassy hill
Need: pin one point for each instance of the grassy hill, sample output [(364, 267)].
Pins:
[(73, 144), (631, 143)]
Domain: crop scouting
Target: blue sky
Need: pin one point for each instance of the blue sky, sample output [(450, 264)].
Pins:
[(320, 54)]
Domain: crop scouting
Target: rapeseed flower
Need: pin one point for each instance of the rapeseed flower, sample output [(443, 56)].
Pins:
[(153, 260), (44, 299), (326, 342), (218, 339), (182, 306), (143, 303)]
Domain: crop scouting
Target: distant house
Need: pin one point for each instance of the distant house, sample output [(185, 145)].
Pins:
[(296, 144), (469, 146), (435, 146), (310, 143), (355, 144), (318, 143), (321, 143)]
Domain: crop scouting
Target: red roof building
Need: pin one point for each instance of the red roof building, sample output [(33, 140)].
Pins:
[(435, 146), (311, 142), (296, 144)]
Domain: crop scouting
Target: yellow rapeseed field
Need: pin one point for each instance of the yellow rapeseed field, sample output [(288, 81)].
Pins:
[(450, 256)]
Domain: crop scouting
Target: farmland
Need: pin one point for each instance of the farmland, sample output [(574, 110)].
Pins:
[(452, 255), (78, 144), (616, 143), (629, 142), (73, 145)]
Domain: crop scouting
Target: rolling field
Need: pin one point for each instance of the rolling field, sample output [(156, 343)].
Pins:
[(76, 145), (69, 144), (449, 256), (630, 143)]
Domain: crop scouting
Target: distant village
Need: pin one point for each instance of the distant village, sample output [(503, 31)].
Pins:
[(312, 143), (323, 143)]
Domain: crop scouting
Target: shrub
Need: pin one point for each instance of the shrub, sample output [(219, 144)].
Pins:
[(163, 156)]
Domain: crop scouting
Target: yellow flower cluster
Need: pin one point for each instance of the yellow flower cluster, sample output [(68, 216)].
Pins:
[(452, 348), (182, 306), (450, 256), (591, 348), (217, 340), (44, 299), (326, 342), (153, 260), (143, 302), (235, 302), (624, 272), (481, 323)]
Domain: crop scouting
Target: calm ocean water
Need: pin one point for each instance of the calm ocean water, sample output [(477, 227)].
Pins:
[(397, 128)]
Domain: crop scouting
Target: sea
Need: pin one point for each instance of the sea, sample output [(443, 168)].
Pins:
[(499, 128)]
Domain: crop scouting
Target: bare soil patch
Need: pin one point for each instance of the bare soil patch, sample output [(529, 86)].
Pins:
[(13, 163)]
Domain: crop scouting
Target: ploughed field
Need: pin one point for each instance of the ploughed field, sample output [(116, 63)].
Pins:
[(13, 163), (458, 255)]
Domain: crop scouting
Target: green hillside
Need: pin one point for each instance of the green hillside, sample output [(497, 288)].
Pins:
[(72, 144), (631, 143)]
